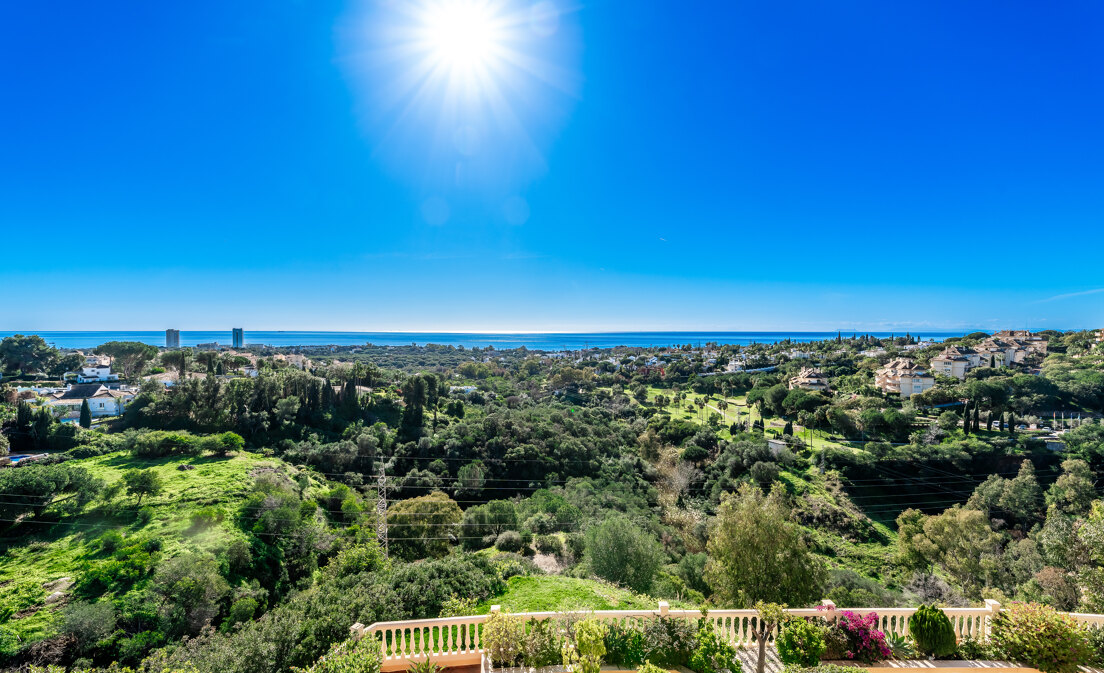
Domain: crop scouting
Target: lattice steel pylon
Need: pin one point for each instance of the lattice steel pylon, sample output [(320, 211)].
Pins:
[(381, 510)]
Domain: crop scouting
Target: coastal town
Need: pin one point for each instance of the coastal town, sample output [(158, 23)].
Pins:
[(898, 368)]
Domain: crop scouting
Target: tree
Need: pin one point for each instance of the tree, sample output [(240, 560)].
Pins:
[(433, 394), (33, 488), (85, 415), (623, 553), (414, 397), (422, 527), (142, 483), (959, 541), (758, 553), (26, 354), (769, 615), (129, 356), (1020, 498), (1073, 491), (190, 589)]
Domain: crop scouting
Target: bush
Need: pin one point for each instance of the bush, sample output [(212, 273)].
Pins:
[(859, 637), (820, 668), (503, 636), (110, 541), (625, 645), (89, 623), (206, 517), (712, 653), (549, 544), (801, 642), (669, 642), (970, 648), (1039, 636), (932, 631), (509, 541), (623, 553), (145, 515), (543, 645), (1096, 644), (585, 651), (362, 656), (649, 667)]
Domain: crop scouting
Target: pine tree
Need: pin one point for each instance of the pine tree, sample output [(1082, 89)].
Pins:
[(85, 415)]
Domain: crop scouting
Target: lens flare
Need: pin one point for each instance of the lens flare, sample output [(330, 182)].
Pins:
[(463, 94)]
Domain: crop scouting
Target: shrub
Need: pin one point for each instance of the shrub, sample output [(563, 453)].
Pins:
[(625, 645), (585, 651), (1096, 644), (649, 667), (623, 553), (89, 623), (801, 642), (820, 668), (712, 654), (145, 515), (242, 610), (860, 638), (549, 544), (502, 638), (110, 541), (969, 648), (669, 642), (509, 541), (206, 517), (362, 656), (543, 645), (932, 631), (1039, 636)]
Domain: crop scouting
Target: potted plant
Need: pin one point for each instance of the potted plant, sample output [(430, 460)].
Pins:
[(502, 643)]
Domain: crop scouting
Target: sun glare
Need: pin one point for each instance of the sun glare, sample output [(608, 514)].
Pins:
[(465, 93), (462, 34)]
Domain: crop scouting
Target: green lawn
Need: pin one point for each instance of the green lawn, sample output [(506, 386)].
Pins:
[(545, 593)]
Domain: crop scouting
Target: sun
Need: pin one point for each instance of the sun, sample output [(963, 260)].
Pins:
[(462, 35)]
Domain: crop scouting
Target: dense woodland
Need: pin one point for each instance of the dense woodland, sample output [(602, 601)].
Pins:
[(228, 522)]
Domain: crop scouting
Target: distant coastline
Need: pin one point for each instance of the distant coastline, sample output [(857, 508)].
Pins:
[(548, 341)]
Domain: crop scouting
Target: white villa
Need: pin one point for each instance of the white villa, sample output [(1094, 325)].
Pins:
[(91, 373), (102, 401)]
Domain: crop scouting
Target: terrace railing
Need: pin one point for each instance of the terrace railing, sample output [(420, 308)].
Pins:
[(456, 641)]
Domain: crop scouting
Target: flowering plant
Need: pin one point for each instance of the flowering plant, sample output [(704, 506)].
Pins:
[(861, 639)]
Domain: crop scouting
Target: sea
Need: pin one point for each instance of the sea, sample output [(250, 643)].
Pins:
[(545, 341)]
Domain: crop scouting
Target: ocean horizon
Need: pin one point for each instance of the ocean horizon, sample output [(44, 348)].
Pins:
[(546, 341)]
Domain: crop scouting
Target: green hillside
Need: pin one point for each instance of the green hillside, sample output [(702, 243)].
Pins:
[(47, 559)]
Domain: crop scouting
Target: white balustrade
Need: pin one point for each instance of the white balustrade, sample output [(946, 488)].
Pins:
[(455, 641)]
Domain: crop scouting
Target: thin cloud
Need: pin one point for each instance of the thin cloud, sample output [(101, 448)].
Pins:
[(1069, 295)]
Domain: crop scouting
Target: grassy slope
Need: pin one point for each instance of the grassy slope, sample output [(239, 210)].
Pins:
[(541, 593), (45, 553)]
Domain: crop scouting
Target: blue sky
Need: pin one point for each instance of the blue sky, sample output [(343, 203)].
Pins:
[(746, 165)]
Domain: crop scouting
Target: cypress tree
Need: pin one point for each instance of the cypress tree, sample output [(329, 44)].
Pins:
[(966, 418), (977, 418), (85, 415), (1011, 423)]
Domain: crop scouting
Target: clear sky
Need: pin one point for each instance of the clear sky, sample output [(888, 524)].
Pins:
[(470, 165)]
